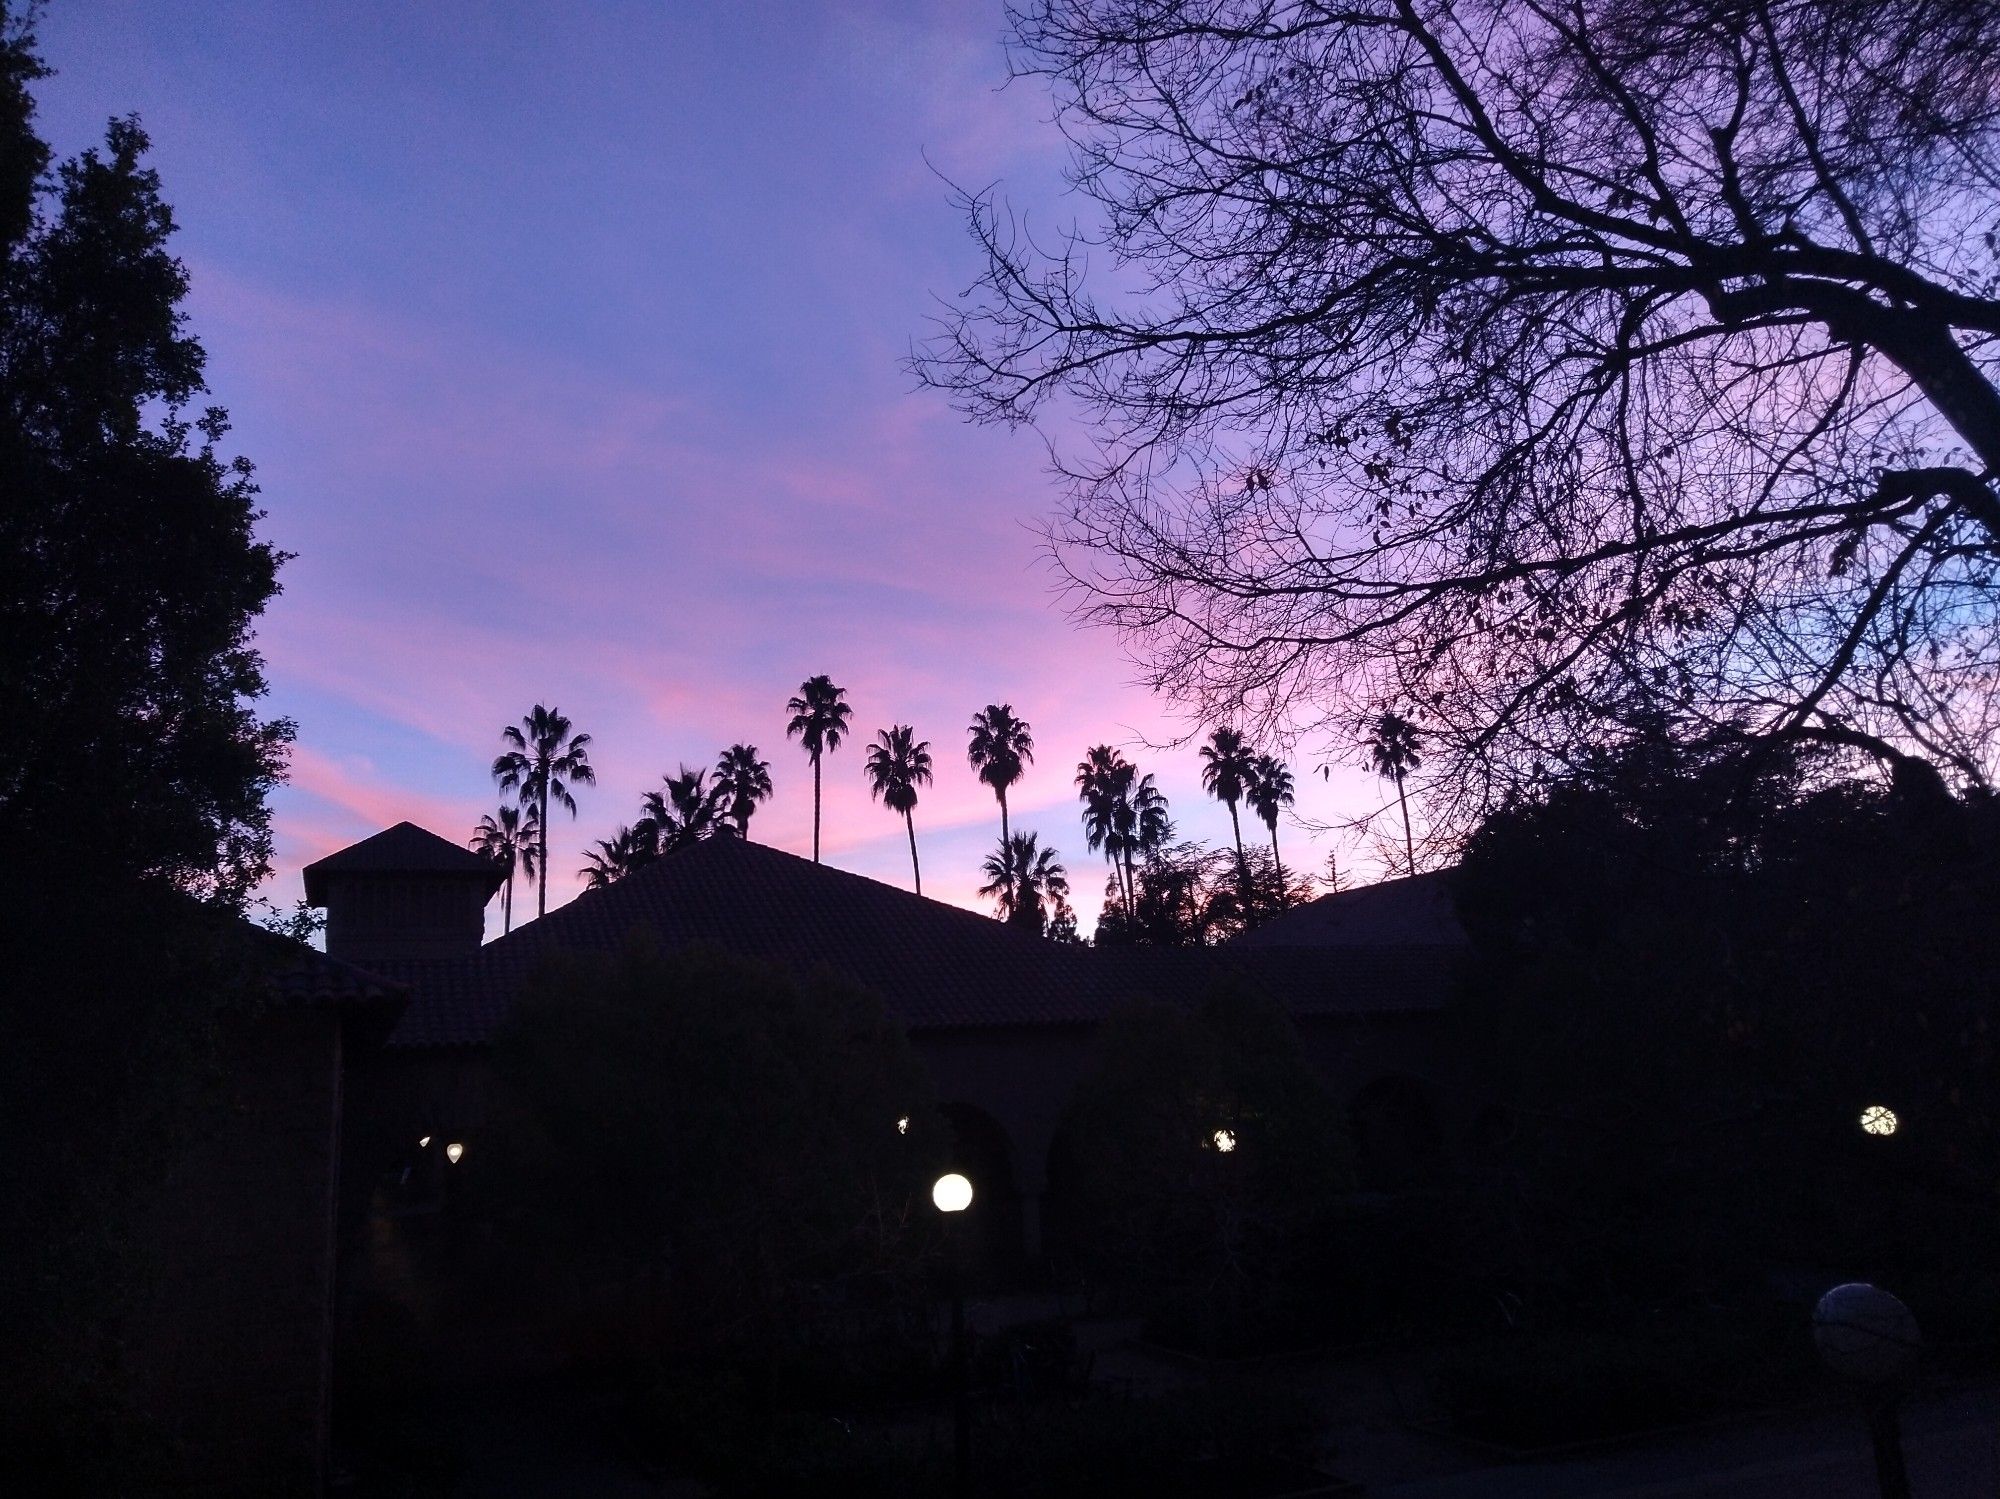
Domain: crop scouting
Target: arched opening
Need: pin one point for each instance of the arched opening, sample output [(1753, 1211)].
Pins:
[(1395, 1134), (992, 1242)]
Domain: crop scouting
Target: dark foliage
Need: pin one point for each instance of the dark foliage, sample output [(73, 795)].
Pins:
[(1197, 1160), (1696, 969), (132, 789), (717, 1141)]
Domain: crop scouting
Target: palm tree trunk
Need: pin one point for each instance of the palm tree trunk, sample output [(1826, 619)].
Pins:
[(1279, 865), (1129, 886), (1006, 845), (542, 902), (815, 806), (1409, 846), (917, 874), (507, 904), (1242, 868)]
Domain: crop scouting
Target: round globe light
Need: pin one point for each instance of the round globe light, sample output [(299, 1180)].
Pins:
[(1878, 1120), (1225, 1140), (952, 1193), (454, 1152), (1863, 1333)]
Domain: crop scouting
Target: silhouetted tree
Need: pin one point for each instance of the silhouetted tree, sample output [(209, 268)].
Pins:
[(510, 841), (1271, 791), (689, 810), (720, 1136), (133, 788), (999, 749), (1195, 1159), (898, 763), (819, 720), (1395, 748), (1537, 365), (743, 781), (1104, 782), (611, 859), (1227, 766), (1027, 882), (545, 760)]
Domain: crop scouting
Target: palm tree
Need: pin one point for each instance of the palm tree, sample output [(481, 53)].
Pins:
[(1152, 826), (617, 856), (741, 781), (509, 841), (1270, 793), (999, 751), (1393, 752), (690, 810), (819, 719), (1104, 781), (898, 763), (1228, 767), (545, 760), (1026, 882)]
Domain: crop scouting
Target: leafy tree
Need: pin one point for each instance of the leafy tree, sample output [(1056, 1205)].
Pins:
[(545, 761), (720, 1135), (1197, 1156), (1189, 894), (1533, 366), (1270, 793), (999, 748), (625, 851), (133, 790), (1693, 967), (742, 781), (1394, 750), (819, 721), (689, 811), (898, 763), (1028, 883), (1228, 766), (511, 841)]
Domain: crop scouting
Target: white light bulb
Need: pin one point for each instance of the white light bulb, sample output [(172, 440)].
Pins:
[(952, 1193)]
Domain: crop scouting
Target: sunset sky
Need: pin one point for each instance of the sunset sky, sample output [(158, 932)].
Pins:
[(568, 341)]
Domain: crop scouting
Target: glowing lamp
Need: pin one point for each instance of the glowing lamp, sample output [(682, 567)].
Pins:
[(1877, 1120), (903, 1125), (952, 1193), (1224, 1140), (424, 1143), (1863, 1333), (454, 1152)]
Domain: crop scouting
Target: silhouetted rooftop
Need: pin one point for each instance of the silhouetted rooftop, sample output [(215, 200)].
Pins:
[(1416, 910), (936, 966), (402, 849)]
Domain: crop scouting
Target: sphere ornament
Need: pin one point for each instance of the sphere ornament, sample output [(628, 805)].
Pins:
[(1878, 1119), (1865, 1334)]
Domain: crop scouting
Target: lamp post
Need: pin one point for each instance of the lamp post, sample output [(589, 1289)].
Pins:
[(1866, 1335), (952, 1194)]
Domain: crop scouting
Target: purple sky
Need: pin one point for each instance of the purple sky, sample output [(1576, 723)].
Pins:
[(567, 341)]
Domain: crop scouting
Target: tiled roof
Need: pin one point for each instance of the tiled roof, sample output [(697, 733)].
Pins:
[(403, 849), (936, 966), (1415, 911), (302, 975)]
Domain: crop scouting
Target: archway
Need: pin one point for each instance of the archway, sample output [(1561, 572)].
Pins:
[(993, 1243)]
